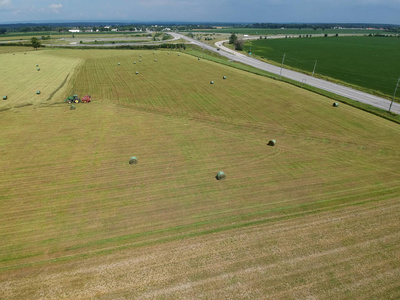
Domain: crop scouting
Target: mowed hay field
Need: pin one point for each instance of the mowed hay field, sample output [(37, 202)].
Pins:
[(315, 216)]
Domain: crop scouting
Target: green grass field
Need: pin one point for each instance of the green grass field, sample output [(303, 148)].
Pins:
[(263, 31), (368, 62), (315, 216)]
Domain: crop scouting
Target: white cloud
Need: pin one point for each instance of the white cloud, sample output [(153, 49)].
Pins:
[(55, 7), (5, 4)]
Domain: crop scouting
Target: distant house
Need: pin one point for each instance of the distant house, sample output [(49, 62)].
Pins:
[(114, 29), (74, 30)]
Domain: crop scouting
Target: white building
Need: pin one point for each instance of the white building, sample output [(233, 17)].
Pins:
[(74, 30)]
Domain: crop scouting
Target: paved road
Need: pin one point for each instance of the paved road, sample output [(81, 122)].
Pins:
[(299, 77)]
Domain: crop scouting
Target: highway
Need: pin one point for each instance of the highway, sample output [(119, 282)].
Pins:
[(299, 77)]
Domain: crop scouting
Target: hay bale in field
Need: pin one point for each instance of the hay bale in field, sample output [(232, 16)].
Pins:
[(140, 60), (134, 62), (271, 143), (133, 160), (37, 65), (72, 107), (212, 82), (220, 175), (199, 58), (38, 92), (4, 97), (179, 54), (38, 69), (140, 55), (137, 72), (335, 104), (119, 64), (154, 53), (224, 77), (155, 60)]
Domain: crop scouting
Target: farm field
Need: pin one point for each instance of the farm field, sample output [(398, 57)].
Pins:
[(264, 31), (367, 62), (315, 216)]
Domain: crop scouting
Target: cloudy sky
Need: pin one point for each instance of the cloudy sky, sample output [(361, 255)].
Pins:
[(285, 11)]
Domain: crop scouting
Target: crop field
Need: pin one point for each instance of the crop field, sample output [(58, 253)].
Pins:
[(264, 31), (315, 216), (368, 62)]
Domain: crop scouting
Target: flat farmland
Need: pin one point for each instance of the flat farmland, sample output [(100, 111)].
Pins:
[(21, 78), (367, 62), (314, 216)]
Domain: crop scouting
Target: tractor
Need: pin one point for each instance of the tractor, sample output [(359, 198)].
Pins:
[(73, 99)]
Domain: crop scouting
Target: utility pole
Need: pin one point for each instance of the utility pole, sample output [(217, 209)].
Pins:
[(314, 68), (283, 60), (394, 94)]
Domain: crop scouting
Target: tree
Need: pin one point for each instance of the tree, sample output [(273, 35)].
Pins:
[(35, 42), (233, 38), (239, 44)]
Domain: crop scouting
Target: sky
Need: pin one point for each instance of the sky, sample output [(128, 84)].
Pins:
[(252, 11)]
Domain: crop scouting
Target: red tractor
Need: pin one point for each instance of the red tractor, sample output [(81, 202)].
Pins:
[(86, 98)]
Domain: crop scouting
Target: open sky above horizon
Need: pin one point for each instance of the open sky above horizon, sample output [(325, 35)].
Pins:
[(263, 11)]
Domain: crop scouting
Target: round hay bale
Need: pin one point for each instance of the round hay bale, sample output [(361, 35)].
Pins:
[(155, 60), (335, 104), (220, 175), (271, 143), (154, 53), (119, 64), (199, 58), (134, 62), (4, 97), (179, 54), (140, 60), (37, 65), (224, 77), (140, 55), (133, 160), (212, 82), (137, 72), (38, 92), (72, 107), (38, 69)]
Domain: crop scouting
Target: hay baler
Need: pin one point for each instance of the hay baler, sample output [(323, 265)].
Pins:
[(86, 98)]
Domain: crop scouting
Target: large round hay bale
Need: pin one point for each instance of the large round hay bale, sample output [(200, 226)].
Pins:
[(199, 58), (134, 62), (179, 54), (220, 175), (38, 92), (212, 82), (38, 69), (137, 72), (4, 97), (119, 64), (140, 60), (72, 107), (155, 60), (335, 104), (224, 77), (154, 53), (271, 143), (133, 160), (37, 65)]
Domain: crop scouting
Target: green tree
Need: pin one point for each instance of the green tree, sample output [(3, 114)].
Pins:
[(239, 44), (233, 38), (35, 42)]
